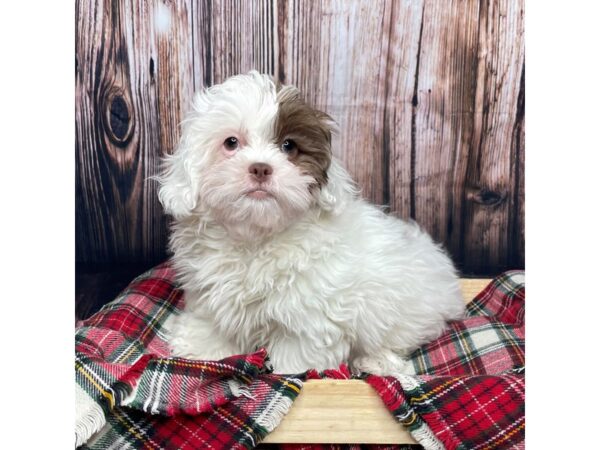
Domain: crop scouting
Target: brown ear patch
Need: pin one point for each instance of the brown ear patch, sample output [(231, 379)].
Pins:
[(308, 128)]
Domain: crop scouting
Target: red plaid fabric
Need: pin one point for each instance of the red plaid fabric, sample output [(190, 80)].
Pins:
[(490, 341), (131, 394), (239, 424), (463, 391)]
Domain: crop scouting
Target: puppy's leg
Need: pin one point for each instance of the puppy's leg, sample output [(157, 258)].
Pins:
[(196, 338), (296, 354), (383, 362)]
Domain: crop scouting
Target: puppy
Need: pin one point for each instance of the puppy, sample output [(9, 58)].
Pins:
[(274, 248)]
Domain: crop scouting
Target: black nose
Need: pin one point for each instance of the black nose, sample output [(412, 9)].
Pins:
[(260, 171)]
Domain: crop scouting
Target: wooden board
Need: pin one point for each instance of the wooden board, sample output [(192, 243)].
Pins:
[(428, 95), (339, 412), (470, 287), (128, 106), (347, 411)]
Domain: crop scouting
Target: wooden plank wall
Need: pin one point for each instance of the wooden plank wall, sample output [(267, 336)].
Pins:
[(428, 95)]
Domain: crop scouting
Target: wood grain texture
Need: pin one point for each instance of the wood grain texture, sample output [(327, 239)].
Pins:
[(443, 105), (339, 412), (428, 95), (128, 106), (399, 138), (494, 167)]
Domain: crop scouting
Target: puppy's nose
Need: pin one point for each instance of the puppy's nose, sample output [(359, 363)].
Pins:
[(260, 171)]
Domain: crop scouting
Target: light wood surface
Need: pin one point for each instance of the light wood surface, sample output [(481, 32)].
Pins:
[(470, 287), (347, 411), (428, 95), (339, 412)]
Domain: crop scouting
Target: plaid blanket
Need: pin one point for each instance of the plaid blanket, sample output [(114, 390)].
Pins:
[(466, 390)]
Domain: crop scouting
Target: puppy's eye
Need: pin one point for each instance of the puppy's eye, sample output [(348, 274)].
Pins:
[(231, 143), (288, 146)]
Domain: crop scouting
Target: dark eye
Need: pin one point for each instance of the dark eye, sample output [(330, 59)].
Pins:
[(288, 146), (231, 143)]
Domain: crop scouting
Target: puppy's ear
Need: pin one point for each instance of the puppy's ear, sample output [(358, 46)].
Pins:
[(177, 191), (339, 189), (179, 178)]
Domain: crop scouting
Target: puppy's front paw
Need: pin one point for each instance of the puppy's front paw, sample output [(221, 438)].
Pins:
[(207, 350), (383, 364), (195, 338)]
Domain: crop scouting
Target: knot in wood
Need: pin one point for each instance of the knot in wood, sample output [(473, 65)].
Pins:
[(118, 122), (484, 196)]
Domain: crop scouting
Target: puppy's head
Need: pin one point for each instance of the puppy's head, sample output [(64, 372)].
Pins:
[(253, 155)]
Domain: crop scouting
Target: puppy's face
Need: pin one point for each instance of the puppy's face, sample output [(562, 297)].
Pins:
[(253, 154)]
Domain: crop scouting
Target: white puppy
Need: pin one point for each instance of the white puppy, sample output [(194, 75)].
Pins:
[(275, 249)]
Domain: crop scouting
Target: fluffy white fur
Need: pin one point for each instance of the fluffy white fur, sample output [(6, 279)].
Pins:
[(317, 276)]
